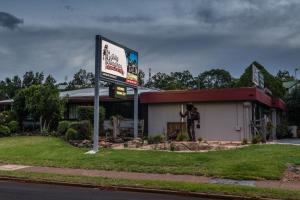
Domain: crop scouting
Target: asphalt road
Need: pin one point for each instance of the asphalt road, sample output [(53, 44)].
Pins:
[(28, 191)]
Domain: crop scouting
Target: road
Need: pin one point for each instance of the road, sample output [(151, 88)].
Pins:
[(28, 191)]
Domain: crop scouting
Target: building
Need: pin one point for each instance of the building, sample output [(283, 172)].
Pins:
[(230, 114)]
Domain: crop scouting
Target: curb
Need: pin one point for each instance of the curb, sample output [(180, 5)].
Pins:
[(135, 189)]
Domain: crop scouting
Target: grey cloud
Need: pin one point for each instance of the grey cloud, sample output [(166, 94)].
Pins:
[(125, 19), (252, 13), (9, 21)]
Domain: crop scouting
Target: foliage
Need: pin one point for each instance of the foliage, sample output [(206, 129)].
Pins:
[(87, 113), (293, 106), (83, 128), (4, 130), (270, 81), (13, 126), (30, 78), (284, 75), (214, 78), (182, 137), (63, 127), (282, 131), (82, 79), (141, 78), (72, 134), (256, 139), (245, 141), (156, 139), (176, 80), (50, 81), (6, 117), (42, 102)]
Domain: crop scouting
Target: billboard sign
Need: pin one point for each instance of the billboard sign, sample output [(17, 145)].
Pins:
[(119, 64)]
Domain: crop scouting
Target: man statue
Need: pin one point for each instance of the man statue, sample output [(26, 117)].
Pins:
[(190, 121)]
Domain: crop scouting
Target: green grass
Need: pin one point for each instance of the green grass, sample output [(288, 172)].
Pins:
[(166, 185), (253, 162)]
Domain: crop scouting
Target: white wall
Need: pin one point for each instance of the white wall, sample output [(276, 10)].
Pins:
[(219, 121)]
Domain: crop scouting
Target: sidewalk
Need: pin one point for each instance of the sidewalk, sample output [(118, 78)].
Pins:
[(147, 176)]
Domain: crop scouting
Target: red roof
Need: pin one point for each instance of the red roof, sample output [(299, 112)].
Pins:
[(211, 95)]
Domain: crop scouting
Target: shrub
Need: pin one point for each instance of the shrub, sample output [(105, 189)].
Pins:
[(72, 134), (6, 117), (63, 127), (245, 141), (156, 139), (256, 139), (182, 137), (13, 126), (4, 130), (83, 128), (87, 113), (282, 131)]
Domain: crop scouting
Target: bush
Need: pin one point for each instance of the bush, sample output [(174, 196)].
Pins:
[(63, 127), (156, 139), (13, 126), (245, 141), (87, 113), (83, 128), (282, 131), (72, 134), (256, 139), (6, 117), (4, 130), (181, 137)]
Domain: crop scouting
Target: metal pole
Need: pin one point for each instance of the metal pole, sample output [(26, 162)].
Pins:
[(136, 113), (96, 98)]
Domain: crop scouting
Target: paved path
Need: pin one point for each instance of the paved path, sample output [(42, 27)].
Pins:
[(28, 191), (149, 176)]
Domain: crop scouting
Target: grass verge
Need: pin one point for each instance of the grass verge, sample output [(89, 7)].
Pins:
[(165, 185), (253, 162)]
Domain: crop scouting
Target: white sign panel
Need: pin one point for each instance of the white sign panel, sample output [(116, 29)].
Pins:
[(255, 75), (113, 60), (118, 63)]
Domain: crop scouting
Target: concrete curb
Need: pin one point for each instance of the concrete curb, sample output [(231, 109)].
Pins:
[(135, 189)]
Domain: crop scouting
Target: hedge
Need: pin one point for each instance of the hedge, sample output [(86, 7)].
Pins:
[(87, 113), (4, 130)]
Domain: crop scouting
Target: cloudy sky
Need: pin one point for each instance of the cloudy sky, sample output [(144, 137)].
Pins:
[(57, 36)]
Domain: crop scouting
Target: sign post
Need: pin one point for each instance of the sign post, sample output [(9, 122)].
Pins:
[(114, 63)]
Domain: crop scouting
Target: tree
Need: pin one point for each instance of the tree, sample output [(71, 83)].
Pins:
[(82, 79), (30, 78), (214, 78), (174, 81), (141, 78), (50, 80), (42, 102), (12, 86), (184, 80), (271, 82), (284, 75), (293, 106), (162, 81)]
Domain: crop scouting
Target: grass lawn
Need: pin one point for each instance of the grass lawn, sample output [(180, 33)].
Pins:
[(253, 162), (166, 185)]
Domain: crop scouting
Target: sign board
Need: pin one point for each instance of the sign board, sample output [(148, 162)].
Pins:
[(119, 64), (118, 91), (257, 77)]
